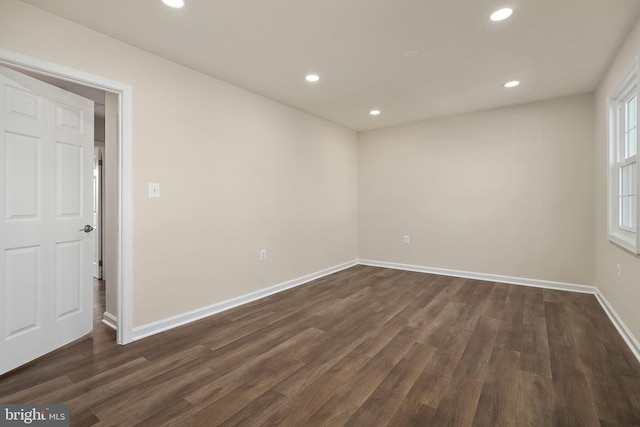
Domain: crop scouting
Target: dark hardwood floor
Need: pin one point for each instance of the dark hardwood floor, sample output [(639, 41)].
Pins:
[(363, 347)]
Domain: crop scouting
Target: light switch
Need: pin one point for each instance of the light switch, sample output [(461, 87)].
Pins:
[(154, 189)]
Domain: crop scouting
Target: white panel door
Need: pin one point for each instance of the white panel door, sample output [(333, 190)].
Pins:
[(46, 196)]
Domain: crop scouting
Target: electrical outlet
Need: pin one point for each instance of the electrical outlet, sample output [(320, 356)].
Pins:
[(406, 239), (618, 273), (263, 254)]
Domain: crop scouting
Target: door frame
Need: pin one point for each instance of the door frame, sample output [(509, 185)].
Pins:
[(98, 152), (124, 238)]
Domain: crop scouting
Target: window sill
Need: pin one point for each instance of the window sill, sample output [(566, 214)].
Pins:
[(625, 241)]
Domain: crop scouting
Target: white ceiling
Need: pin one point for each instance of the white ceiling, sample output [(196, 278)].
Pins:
[(554, 47)]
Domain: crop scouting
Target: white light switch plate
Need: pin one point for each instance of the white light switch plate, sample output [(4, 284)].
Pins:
[(154, 189)]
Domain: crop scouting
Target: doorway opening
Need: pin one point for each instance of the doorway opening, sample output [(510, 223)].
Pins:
[(117, 235)]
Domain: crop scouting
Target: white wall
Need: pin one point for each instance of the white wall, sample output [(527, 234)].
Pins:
[(504, 192), (624, 292), (238, 173)]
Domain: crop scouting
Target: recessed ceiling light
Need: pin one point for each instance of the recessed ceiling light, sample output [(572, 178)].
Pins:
[(174, 3), (312, 78), (501, 14), (374, 112), (512, 83)]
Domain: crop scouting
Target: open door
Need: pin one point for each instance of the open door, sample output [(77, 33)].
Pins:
[(46, 196)]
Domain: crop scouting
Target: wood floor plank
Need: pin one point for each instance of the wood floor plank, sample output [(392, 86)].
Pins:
[(387, 332), (435, 380), (351, 395), (475, 358), (39, 392), (429, 305), (443, 290), (533, 304), (497, 405), (150, 399), (36, 372), (459, 408), (534, 400), (322, 361), (503, 362), (573, 404), (246, 371), (496, 300), (512, 317), (631, 386), (412, 413), (124, 389), (259, 410), (85, 390), (225, 358), (612, 403), (164, 416), (312, 398), (535, 347), (244, 395), (358, 388), (363, 346), (85, 418), (380, 406), (439, 329), (559, 328)]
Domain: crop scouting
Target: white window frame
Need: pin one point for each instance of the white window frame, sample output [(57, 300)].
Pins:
[(624, 237)]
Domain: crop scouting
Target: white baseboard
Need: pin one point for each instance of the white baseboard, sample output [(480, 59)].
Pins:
[(110, 320), (191, 316), (626, 334), (558, 286)]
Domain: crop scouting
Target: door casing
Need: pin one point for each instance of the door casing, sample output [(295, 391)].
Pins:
[(97, 214)]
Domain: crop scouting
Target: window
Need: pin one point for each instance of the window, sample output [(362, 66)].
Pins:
[(623, 163)]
